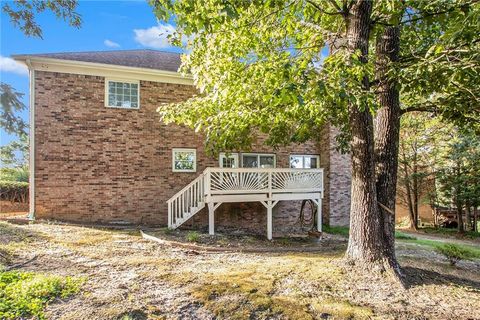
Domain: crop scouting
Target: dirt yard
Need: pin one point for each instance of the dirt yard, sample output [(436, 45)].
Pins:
[(128, 277)]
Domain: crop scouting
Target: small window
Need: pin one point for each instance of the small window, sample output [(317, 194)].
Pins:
[(301, 161), (255, 160), (184, 160), (122, 94), (230, 161)]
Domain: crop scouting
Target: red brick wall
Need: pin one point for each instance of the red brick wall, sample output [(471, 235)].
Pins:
[(98, 164)]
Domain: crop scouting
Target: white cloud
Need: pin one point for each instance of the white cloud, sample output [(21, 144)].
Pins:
[(111, 44), (9, 65), (155, 37)]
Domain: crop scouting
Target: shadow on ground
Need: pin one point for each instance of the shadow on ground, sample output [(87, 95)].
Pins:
[(419, 277)]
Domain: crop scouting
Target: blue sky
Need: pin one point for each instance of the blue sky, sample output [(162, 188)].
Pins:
[(107, 25)]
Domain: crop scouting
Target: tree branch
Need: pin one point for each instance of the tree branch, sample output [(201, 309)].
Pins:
[(316, 6), (418, 108), (336, 6)]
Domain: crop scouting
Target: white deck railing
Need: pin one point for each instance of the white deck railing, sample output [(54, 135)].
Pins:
[(217, 185), (253, 180)]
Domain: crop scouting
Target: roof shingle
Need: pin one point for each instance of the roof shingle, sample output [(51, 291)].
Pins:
[(143, 58)]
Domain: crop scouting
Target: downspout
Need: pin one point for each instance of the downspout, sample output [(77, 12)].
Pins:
[(31, 175)]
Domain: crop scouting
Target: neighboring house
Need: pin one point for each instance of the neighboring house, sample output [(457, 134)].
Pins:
[(100, 154)]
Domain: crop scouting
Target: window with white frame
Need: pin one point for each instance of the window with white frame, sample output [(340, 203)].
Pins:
[(122, 94), (228, 161), (184, 160), (258, 160), (304, 161)]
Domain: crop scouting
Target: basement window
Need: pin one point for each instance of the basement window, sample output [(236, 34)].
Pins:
[(122, 94), (184, 160), (302, 161)]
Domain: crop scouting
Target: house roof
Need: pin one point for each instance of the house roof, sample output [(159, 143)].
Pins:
[(143, 58)]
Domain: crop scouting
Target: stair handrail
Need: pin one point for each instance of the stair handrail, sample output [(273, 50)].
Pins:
[(176, 195)]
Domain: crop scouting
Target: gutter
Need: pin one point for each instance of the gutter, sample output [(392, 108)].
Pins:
[(102, 69), (31, 149)]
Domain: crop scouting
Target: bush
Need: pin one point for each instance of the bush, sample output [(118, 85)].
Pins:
[(13, 191), (193, 236), (25, 294), (14, 174), (455, 253)]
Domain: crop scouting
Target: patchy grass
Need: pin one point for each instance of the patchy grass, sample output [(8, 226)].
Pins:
[(133, 278), (88, 239), (341, 310), (260, 290), (433, 244), (25, 294)]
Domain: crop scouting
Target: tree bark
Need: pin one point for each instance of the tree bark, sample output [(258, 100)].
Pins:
[(387, 135), (367, 245)]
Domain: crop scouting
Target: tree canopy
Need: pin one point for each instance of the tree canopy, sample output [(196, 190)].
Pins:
[(10, 106), (23, 14), (259, 65)]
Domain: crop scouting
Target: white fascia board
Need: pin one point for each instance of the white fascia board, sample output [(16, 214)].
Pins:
[(104, 70)]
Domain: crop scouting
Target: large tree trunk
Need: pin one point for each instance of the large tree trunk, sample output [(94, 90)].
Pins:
[(366, 244), (387, 134)]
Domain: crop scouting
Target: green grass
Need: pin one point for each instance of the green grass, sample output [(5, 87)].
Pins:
[(451, 232), (344, 231), (403, 236), (26, 294)]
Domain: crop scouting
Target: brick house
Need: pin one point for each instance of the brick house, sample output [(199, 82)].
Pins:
[(100, 154)]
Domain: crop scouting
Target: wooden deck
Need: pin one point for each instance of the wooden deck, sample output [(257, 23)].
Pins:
[(215, 186)]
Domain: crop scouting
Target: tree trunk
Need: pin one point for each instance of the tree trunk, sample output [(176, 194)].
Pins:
[(408, 189), (415, 191), (387, 136), (475, 227), (366, 244), (468, 221), (458, 202), (461, 227)]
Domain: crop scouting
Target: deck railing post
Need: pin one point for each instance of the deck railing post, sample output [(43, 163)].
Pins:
[(169, 204), (270, 185), (207, 182)]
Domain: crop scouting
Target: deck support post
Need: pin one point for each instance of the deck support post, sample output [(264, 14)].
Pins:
[(319, 215), (269, 220), (269, 204), (211, 218)]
